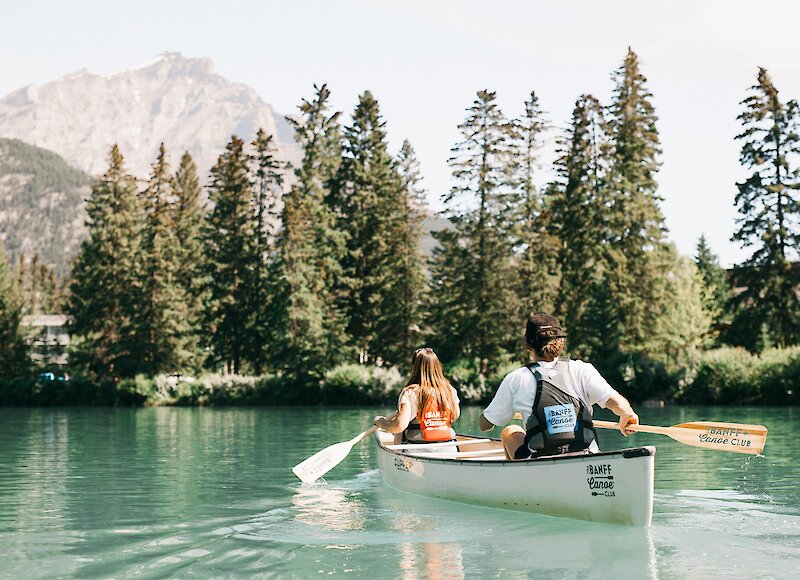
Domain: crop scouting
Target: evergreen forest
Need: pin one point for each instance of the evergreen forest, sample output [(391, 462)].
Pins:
[(307, 283)]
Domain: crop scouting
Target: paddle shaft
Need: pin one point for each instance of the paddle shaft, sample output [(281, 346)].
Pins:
[(366, 433), (634, 427)]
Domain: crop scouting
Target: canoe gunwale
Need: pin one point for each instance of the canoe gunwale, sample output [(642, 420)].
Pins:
[(628, 453)]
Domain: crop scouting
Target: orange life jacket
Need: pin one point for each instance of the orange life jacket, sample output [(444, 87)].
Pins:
[(434, 424)]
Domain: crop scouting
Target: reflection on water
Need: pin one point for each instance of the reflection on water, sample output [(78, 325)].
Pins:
[(329, 507), (425, 559), (430, 560), (209, 492)]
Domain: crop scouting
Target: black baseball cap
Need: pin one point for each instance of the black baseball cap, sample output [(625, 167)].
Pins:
[(543, 328)]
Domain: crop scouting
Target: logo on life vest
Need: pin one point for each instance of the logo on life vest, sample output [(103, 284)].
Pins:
[(560, 419), (434, 420), (434, 424)]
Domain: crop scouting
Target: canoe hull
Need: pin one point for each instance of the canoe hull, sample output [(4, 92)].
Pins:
[(612, 487)]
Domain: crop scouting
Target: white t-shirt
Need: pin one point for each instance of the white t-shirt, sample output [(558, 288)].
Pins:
[(518, 391)]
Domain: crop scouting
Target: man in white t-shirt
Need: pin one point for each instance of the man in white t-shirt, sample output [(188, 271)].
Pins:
[(578, 386)]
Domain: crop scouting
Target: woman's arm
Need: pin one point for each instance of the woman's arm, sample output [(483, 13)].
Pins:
[(397, 421)]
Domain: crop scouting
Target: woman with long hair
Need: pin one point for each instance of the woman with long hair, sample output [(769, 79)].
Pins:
[(427, 406)]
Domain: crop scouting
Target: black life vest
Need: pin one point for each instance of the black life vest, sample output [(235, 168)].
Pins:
[(560, 421)]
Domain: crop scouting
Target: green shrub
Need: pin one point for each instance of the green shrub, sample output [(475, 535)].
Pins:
[(735, 376), (779, 375), (75, 391), (464, 375), (723, 376), (17, 392), (640, 377), (474, 387), (225, 390), (355, 384)]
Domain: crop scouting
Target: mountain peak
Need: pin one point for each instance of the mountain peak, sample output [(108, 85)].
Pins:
[(170, 98), (78, 74), (172, 64)]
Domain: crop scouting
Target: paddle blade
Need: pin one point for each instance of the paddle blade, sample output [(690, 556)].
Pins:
[(733, 437), (322, 462)]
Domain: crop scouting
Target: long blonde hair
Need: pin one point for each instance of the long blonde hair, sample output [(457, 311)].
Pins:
[(426, 373)]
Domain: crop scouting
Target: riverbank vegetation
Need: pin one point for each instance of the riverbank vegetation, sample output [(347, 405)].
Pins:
[(721, 376), (307, 284)]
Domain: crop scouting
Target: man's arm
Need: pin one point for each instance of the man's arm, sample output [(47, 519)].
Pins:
[(622, 408), (501, 408), (484, 424)]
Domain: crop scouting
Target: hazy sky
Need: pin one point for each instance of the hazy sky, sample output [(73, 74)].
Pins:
[(424, 60)]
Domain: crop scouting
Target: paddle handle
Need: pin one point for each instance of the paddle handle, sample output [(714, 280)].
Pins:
[(366, 433), (634, 427)]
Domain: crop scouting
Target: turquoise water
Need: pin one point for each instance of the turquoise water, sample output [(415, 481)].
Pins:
[(209, 493)]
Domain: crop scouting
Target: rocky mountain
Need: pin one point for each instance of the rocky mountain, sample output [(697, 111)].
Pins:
[(180, 101), (41, 204), (69, 125)]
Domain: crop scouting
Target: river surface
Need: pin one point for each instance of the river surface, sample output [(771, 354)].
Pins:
[(166, 492)]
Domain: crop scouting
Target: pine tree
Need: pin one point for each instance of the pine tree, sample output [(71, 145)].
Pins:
[(229, 241), (50, 290), (38, 286), (473, 276), (769, 210), (581, 215), (188, 215), (409, 280), (716, 288), (13, 350), (369, 200), (268, 177), (106, 276), (537, 246), (31, 287), (309, 334), (21, 275), (268, 183), (636, 223), (24, 282), (683, 322), (163, 321)]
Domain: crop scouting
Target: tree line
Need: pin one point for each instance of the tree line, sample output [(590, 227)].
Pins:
[(295, 270)]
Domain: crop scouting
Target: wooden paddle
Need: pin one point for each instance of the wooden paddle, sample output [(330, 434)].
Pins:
[(717, 436), (323, 461)]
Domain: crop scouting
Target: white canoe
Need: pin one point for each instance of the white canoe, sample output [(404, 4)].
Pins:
[(612, 486)]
